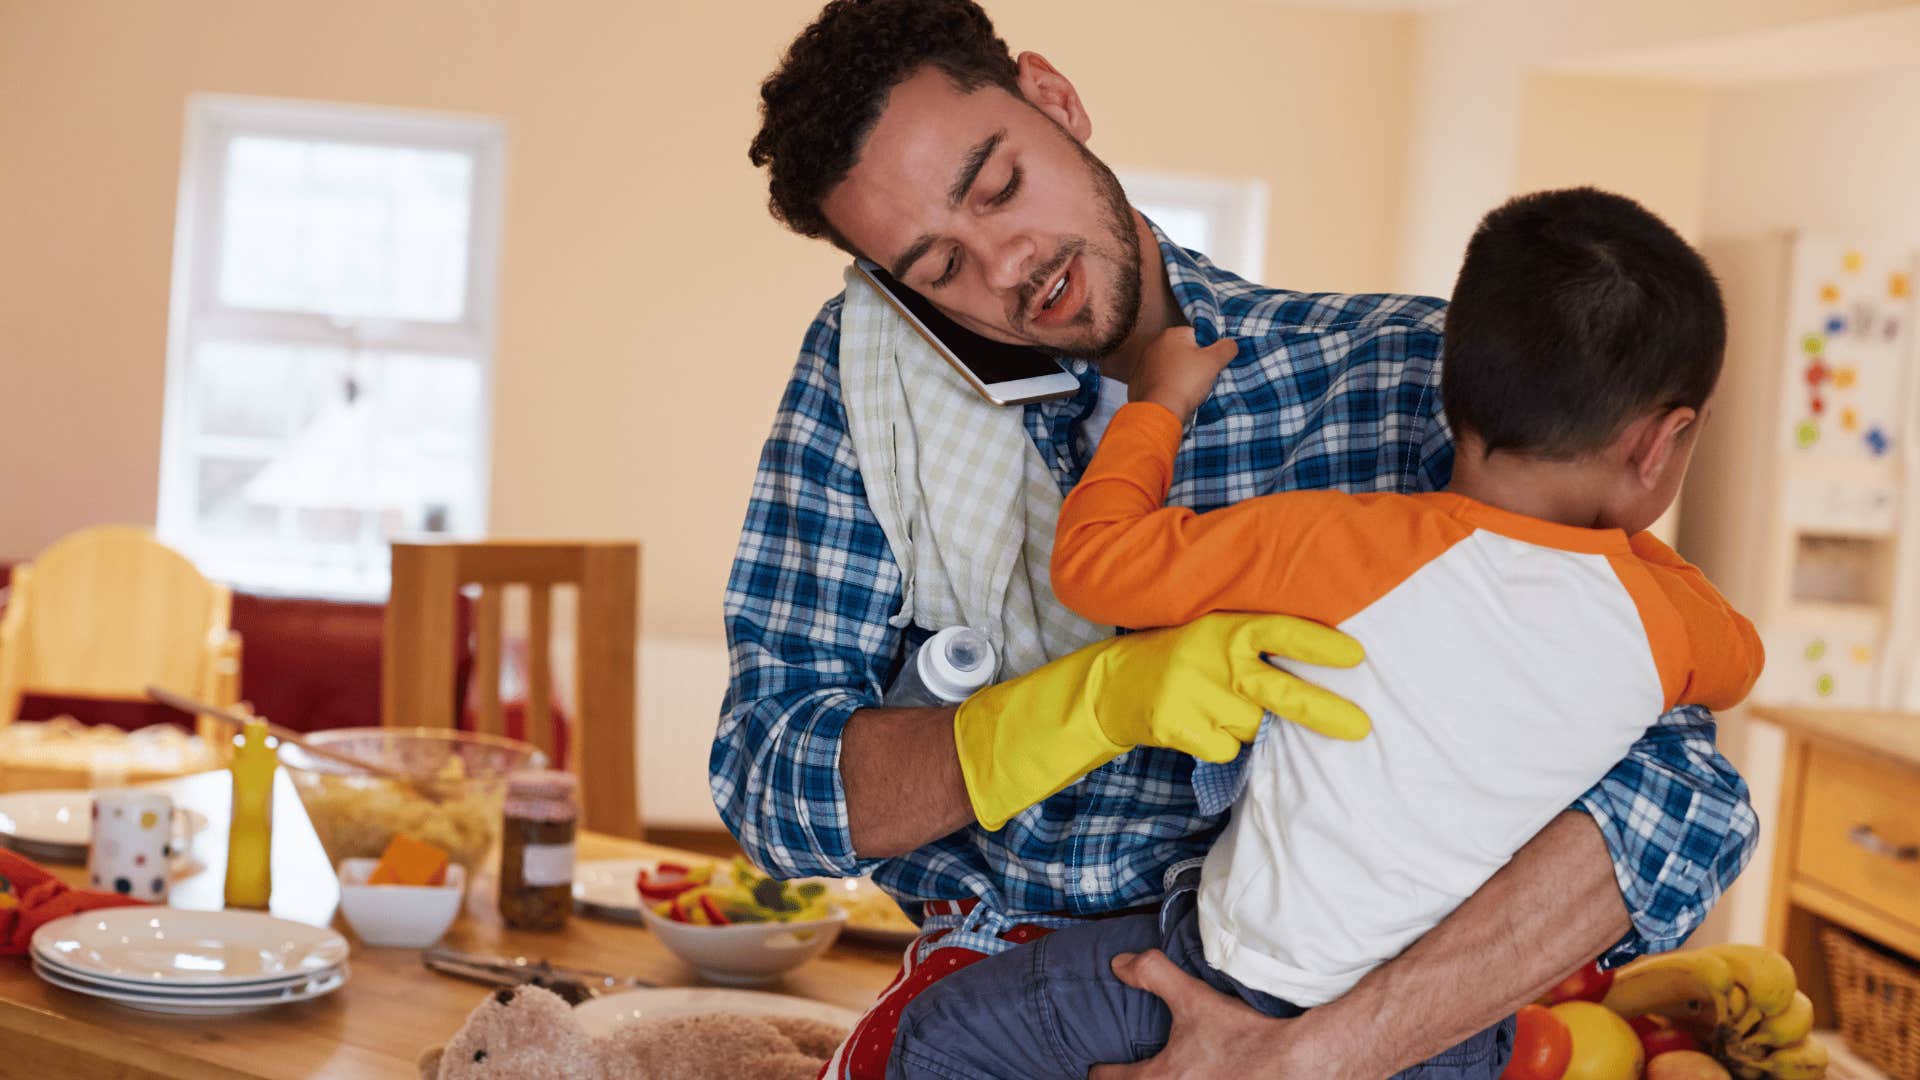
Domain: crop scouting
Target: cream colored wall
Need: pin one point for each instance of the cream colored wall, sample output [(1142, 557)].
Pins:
[(1647, 138), (1472, 65), (1835, 156), (1832, 156), (648, 309), (1314, 102)]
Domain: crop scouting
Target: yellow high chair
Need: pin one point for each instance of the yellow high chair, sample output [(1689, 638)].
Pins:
[(106, 611)]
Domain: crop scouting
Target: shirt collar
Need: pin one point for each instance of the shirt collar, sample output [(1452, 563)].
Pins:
[(1192, 289)]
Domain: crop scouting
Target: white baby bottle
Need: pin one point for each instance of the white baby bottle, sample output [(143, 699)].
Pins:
[(945, 669)]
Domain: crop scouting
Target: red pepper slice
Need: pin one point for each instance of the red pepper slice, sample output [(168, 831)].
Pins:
[(713, 911), (678, 913), (664, 882)]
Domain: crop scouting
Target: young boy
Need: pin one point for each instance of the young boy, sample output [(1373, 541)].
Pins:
[(1521, 629)]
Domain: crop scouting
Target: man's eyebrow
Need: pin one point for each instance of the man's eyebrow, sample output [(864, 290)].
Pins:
[(905, 262), (970, 168), (963, 181)]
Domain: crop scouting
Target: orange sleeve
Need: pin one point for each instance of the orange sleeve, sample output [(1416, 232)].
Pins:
[(1122, 557), (1708, 653)]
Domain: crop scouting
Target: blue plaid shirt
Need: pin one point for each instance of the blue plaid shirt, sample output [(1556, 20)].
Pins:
[(1328, 391)]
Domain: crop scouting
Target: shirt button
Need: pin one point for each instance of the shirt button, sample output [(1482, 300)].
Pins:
[(1090, 880)]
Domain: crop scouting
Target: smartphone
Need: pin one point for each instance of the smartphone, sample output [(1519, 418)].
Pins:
[(1003, 374)]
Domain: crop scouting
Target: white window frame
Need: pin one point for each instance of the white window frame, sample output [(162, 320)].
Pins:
[(197, 313), (1237, 207)]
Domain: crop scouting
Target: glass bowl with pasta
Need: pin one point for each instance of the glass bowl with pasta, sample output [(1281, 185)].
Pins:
[(453, 801)]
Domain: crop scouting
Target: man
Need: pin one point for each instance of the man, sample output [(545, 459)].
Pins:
[(904, 131)]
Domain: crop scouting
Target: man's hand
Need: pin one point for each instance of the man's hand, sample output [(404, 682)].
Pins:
[(1199, 688), (1213, 1035), (1177, 374)]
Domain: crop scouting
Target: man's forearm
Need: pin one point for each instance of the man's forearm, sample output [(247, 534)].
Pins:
[(902, 777), (1554, 907)]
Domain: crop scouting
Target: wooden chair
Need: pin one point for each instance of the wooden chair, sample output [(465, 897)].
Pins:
[(418, 685), (104, 612)]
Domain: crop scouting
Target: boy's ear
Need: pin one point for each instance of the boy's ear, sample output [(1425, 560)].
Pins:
[(1653, 443), (1049, 91)]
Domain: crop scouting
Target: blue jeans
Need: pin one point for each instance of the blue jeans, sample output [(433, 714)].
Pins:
[(1055, 1009)]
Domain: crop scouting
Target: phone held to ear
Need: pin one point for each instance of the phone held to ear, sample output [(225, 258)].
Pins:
[(1003, 374)]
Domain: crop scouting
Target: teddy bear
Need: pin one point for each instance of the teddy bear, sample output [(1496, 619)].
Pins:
[(530, 1032)]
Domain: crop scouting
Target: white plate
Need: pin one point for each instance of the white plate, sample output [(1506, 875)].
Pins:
[(601, 1015), (61, 818), (158, 946), (224, 1005), (605, 887), (222, 990), (171, 989)]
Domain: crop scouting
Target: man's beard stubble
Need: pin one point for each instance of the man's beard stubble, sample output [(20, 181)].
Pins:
[(1126, 278), (1123, 255)]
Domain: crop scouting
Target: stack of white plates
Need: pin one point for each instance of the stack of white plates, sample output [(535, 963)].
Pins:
[(190, 963)]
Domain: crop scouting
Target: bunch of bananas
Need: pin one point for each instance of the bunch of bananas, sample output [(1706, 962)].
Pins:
[(1740, 1001)]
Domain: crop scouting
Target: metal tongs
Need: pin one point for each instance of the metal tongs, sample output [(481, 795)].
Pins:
[(574, 985)]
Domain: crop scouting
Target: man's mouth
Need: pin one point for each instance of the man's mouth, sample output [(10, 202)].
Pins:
[(1064, 296)]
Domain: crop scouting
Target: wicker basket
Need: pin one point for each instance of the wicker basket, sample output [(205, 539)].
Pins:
[(1876, 999)]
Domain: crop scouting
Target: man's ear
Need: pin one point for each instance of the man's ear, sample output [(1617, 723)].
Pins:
[(1049, 91), (1653, 443)]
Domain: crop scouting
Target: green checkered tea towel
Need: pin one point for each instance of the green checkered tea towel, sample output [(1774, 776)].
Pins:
[(965, 500)]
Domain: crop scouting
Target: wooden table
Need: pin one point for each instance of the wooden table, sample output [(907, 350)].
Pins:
[(390, 1009)]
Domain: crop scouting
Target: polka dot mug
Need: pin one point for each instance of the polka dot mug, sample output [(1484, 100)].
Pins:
[(134, 833)]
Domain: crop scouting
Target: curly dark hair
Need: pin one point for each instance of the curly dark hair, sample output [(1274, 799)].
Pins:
[(819, 105)]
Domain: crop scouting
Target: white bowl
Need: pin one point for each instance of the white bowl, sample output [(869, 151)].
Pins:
[(400, 916), (745, 954)]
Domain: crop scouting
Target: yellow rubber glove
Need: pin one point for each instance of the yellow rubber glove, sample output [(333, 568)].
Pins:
[(1199, 688)]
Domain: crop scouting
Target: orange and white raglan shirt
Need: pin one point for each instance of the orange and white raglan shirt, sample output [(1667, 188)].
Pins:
[(1511, 662)]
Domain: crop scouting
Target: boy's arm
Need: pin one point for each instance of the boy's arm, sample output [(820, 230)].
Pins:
[(1121, 556), (1723, 653)]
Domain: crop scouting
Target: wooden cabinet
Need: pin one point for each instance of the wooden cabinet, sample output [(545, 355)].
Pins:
[(1848, 837)]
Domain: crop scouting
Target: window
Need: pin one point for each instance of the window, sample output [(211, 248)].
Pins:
[(331, 339), (1225, 220)]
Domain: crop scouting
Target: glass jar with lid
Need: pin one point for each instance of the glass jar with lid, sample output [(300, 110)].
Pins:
[(536, 849)]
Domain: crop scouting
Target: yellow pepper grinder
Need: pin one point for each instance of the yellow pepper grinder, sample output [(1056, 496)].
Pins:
[(250, 839)]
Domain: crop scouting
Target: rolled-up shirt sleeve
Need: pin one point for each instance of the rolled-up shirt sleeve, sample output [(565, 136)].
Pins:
[(1677, 820), (807, 607)]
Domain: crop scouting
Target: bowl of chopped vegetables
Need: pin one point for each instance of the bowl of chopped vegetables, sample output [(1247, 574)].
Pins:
[(735, 925)]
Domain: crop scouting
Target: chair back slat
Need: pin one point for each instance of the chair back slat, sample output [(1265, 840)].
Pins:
[(417, 657), (540, 671), (418, 661), (488, 628), (606, 666)]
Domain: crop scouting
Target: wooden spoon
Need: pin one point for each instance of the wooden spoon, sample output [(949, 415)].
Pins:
[(288, 735)]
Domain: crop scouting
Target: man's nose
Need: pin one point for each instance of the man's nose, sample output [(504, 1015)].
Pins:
[(1008, 262)]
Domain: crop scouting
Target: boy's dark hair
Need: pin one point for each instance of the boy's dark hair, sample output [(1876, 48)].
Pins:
[(819, 105), (1577, 312)]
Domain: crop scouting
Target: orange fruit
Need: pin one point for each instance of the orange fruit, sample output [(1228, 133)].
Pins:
[(1604, 1047)]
